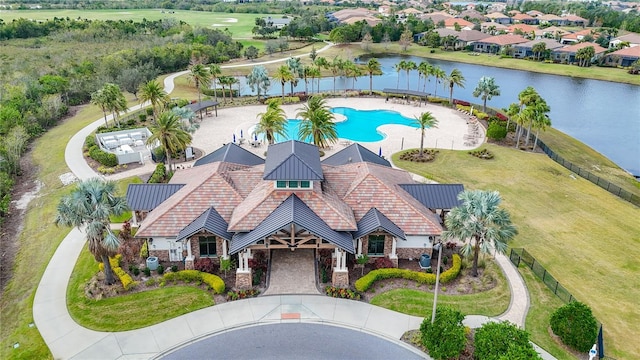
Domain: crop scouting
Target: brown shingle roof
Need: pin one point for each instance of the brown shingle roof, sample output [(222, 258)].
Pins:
[(502, 40), (629, 51), (574, 48)]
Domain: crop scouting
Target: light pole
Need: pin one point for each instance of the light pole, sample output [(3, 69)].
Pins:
[(438, 247)]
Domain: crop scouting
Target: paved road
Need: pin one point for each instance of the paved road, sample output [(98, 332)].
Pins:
[(294, 341)]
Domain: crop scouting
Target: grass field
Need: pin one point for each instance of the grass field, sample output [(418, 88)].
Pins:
[(585, 237), (239, 25)]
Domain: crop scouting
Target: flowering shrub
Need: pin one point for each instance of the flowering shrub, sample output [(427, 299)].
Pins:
[(242, 294), (214, 282), (341, 293), (382, 263), (365, 282), (204, 264), (125, 279)]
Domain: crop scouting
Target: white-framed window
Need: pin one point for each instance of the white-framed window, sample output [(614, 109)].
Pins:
[(375, 246), (294, 184), (207, 246)]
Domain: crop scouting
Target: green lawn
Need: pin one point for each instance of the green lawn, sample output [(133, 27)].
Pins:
[(131, 311), (585, 237), (239, 25), (420, 303)]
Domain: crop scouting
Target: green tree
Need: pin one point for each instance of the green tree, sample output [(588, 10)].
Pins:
[(152, 92), (272, 122), (438, 73), (296, 69), (284, 75), (373, 66), (12, 147), (576, 326), (215, 71), (455, 78), (313, 54), (424, 70), (424, 121), (539, 49), (409, 66), (445, 338), (117, 101), (100, 99), (486, 89), (503, 340), (406, 38), (480, 223), (251, 52), (335, 66), (317, 123), (170, 134), (400, 67), (89, 206), (315, 73), (258, 80), (201, 77)]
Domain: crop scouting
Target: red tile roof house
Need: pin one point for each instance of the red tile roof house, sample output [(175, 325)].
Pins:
[(232, 202), (495, 44), (623, 57), (567, 54)]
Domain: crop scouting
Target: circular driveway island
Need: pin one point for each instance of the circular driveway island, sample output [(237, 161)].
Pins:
[(294, 341)]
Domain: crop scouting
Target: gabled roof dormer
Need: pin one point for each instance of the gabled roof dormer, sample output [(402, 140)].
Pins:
[(293, 161)]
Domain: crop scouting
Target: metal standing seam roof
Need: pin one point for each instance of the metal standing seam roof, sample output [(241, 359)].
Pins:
[(404, 92), (292, 210), (293, 160), (146, 197), (435, 196), (209, 220), (355, 153), (201, 105), (374, 220), (231, 153)]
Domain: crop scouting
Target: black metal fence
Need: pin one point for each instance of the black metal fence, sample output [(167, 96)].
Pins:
[(521, 256), (612, 188)]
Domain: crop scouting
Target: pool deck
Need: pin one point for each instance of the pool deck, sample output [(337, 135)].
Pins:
[(450, 133)]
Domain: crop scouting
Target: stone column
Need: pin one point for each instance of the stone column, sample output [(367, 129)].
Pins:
[(225, 253), (340, 276), (189, 261), (243, 273), (359, 247), (393, 256)]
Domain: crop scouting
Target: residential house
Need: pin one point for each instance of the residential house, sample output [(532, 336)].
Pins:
[(525, 50), (499, 18), (343, 15), (623, 57), (575, 37), (522, 29), (525, 19), (534, 13), (472, 15), (493, 28), (575, 20), (463, 37), (552, 32), (234, 203), (553, 20), (403, 14), (436, 17), (567, 54), (495, 44), (632, 38), (278, 23), (451, 23)]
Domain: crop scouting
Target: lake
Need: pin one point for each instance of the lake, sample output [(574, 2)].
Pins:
[(604, 115)]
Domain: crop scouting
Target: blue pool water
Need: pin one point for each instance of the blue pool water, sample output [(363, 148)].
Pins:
[(361, 125)]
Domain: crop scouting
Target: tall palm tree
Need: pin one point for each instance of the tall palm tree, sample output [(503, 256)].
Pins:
[(296, 69), (527, 97), (258, 80), (272, 122), (424, 121), (424, 70), (438, 73), (536, 115), (317, 123), (284, 75), (351, 71), (373, 66), (169, 132), (117, 103), (480, 224), (486, 89), (200, 76), (399, 67), (215, 71), (89, 206), (306, 74), (152, 92), (100, 99), (335, 66), (455, 78), (315, 73), (410, 65)]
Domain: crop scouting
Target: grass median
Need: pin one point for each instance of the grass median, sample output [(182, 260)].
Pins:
[(573, 227)]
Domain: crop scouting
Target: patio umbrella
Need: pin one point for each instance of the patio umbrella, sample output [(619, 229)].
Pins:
[(380, 151), (234, 138), (241, 133)]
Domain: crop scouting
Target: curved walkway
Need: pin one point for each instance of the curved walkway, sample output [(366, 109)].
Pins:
[(66, 339)]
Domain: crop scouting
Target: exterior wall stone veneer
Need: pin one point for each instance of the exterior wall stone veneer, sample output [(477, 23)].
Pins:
[(244, 278), (339, 278), (189, 264), (412, 253), (162, 255)]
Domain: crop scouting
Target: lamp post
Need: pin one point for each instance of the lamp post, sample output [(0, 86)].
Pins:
[(438, 247)]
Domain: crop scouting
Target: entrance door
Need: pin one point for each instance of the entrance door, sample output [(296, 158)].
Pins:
[(175, 251)]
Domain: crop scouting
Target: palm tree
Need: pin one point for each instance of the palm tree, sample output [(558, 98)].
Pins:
[(438, 73), (480, 224), (399, 67), (152, 91), (527, 97), (424, 121), (215, 71), (284, 75), (306, 74), (89, 206), (272, 122), (295, 67), (536, 115), (487, 88), (424, 70), (455, 78), (100, 99), (117, 103), (409, 66), (315, 73), (258, 80), (539, 49), (351, 71), (317, 122), (541, 122), (373, 66), (335, 66), (200, 76), (168, 131)]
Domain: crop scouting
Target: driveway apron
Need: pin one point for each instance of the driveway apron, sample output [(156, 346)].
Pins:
[(292, 272)]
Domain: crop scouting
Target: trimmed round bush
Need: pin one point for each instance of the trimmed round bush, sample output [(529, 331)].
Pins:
[(496, 131), (445, 338), (576, 326), (494, 341)]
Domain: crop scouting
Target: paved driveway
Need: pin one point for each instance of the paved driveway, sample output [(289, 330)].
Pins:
[(292, 272)]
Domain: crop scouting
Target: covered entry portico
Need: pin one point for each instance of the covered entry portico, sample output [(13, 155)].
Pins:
[(291, 226)]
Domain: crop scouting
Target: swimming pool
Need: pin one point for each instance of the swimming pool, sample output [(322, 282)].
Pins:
[(361, 125)]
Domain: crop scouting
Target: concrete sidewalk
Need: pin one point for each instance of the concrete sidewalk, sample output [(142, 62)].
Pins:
[(66, 339)]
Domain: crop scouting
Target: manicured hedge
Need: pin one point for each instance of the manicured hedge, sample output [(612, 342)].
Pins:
[(213, 281), (125, 279), (576, 326), (365, 282), (103, 157)]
